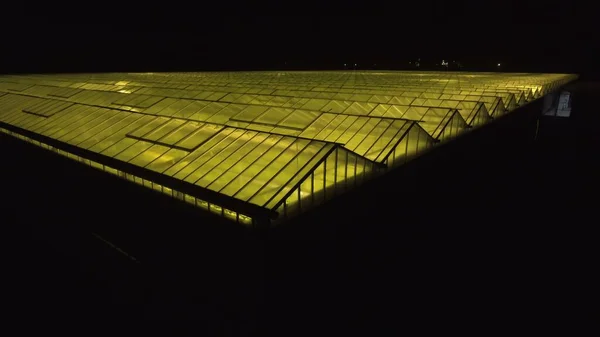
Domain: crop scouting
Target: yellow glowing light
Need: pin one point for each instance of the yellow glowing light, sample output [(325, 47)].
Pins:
[(283, 144)]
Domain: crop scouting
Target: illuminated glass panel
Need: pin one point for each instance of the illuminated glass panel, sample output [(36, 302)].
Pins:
[(282, 141)]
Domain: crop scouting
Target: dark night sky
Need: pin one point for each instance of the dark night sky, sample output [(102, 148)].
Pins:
[(522, 36)]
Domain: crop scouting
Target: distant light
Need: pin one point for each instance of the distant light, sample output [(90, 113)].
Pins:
[(344, 64), (355, 64), (498, 64)]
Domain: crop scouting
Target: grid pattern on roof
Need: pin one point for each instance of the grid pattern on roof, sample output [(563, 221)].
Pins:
[(280, 141)]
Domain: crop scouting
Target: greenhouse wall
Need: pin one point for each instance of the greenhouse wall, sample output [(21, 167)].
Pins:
[(341, 171), (205, 205), (415, 142)]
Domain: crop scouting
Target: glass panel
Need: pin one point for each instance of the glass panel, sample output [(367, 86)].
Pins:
[(267, 167), (199, 136), (133, 150), (175, 106), (250, 113), (342, 96), (380, 99), (237, 162), (288, 164), (51, 125), (378, 139), (28, 121), (58, 131), (248, 178), (94, 131), (415, 113), (279, 101), (164, 129), (395, 111), (216, 96), (190, 199), (183, 131), (102, 116), (413, 141), (352, 130), (229, 214), (274, 115), (238, 170), (119, 146), (153, 124), (166, 160), (318, 125), (330, 167), (47, 107), (306, 194), (181, 169), (163, 107), (359, 170), (149, 101), (246, 99), (297, 103), (340, 179), (190, 110), (336, 106), (319, 184), (302, 174), (390, 139), (149, 155), (223, 115), (114, 133), (212, 169), (124, 99), (211, 157), (360, 97), (335, 128), (359, 142), (299, 119), (292, 204), (350, 169), (314, 104)]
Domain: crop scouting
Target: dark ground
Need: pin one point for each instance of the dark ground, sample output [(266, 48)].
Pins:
[(514, 248)]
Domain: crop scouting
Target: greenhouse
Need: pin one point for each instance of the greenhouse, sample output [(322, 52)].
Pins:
[(256, 147)]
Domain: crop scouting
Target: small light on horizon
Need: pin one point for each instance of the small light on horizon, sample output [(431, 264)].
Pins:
[(498, 64)]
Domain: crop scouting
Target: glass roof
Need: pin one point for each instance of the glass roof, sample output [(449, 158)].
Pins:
[(257, 136)]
